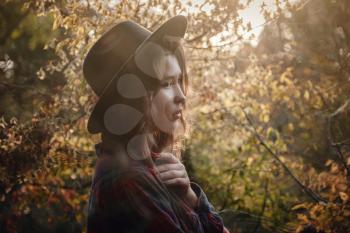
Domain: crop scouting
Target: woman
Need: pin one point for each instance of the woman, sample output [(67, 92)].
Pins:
[(140, 184)]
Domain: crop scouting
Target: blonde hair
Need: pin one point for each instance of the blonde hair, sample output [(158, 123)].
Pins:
[(155, 140), (158, 140)]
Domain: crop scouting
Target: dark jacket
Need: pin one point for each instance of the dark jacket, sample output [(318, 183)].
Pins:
[(135, 201)]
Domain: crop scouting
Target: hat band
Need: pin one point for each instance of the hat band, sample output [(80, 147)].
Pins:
[(116, 74)]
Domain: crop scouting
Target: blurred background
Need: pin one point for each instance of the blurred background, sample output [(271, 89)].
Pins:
[(269, 109)]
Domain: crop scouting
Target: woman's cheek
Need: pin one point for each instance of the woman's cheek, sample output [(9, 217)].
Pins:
[(163, 101), (160, 113)]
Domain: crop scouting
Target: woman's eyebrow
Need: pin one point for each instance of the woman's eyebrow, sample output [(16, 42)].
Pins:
[(172, 77)]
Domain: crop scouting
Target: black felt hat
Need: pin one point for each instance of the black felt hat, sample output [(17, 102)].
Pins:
[(114, 51)]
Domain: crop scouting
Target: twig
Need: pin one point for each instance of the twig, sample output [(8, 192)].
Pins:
[(78, 185), (229, 43), (228, 189), (338, 145), (306, 190), (262, 207)]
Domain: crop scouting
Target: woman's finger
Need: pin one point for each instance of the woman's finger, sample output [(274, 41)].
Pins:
[(177, 181), (173, 174), (165, 157), (170, 166)]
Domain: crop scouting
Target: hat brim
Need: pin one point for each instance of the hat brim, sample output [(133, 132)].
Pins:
[(175, 26)]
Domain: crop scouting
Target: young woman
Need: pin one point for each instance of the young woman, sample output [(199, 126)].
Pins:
[(140, 184)]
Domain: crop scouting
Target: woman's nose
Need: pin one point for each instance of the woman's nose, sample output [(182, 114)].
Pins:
[(179, 95)]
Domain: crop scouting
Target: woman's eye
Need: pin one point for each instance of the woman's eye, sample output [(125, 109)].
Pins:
[(171, 82), (165, 84), (168, 83)]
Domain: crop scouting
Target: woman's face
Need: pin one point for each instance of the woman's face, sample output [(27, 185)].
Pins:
[(168, 102)]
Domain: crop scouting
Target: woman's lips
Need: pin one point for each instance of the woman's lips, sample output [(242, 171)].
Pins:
[(177, 114)]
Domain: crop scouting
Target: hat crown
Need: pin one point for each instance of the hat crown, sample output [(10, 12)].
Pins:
[(110, 52)]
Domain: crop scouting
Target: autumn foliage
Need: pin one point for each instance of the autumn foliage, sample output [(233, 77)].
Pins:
[(269, 116)]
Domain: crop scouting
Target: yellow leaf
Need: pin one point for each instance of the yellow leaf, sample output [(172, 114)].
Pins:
[(329, 162), (302, 217), (266, 118), (290, 126), (299, 206), (343, 196)]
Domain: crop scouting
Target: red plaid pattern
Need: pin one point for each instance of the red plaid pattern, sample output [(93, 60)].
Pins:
[(135, 201)]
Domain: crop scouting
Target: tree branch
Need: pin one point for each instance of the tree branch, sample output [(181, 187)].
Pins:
[(338, 145), (262, 207), (315, 197)]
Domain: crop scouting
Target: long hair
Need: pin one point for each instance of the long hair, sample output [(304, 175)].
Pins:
[(159, 139), (154, 139)]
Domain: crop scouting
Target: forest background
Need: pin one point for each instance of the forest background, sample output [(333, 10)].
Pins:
[(270, 127)]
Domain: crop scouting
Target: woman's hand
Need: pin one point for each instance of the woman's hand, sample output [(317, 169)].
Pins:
[(173, 174)]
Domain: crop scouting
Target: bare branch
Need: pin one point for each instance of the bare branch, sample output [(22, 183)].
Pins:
[(338, 145), (262, 207), (315, 197)]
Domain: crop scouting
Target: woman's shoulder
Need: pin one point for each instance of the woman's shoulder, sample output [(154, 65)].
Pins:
[(124, 183), (108, 173), (128, 192), (116, 166)]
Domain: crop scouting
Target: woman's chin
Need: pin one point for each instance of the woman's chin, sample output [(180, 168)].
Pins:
[(174, 128)]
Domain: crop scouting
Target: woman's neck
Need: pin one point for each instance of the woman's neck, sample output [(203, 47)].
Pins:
[(134, 149)]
